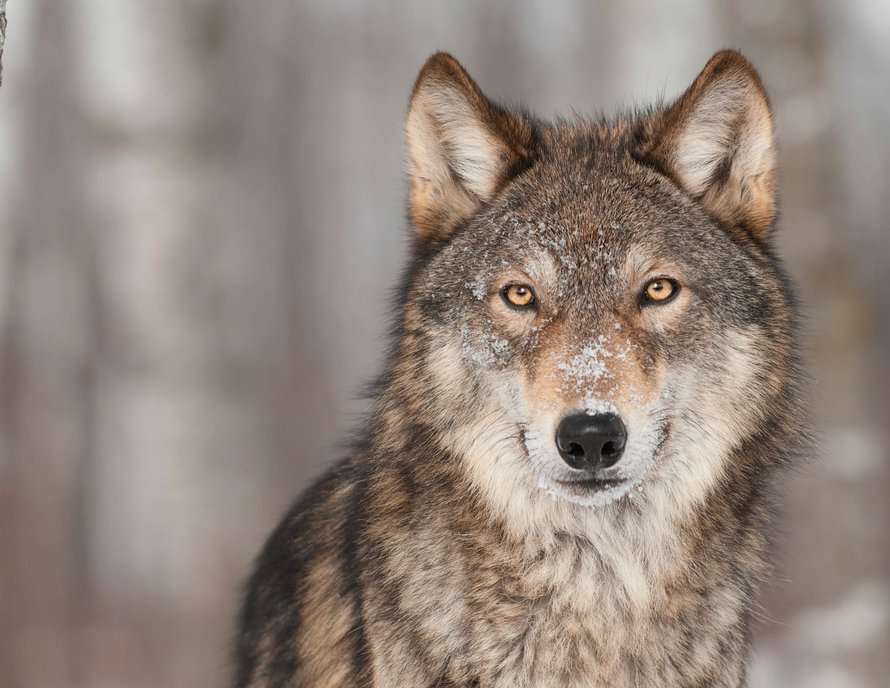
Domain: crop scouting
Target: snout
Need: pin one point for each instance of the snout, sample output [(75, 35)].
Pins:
[(591, 442)]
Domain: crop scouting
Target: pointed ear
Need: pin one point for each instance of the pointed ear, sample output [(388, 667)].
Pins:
[(462, 148), (718, 142)]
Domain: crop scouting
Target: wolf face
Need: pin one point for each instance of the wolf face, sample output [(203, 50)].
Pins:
[(597, 306)]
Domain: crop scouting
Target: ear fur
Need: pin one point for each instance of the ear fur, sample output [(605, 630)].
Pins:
[(462, 148), (718, 142)]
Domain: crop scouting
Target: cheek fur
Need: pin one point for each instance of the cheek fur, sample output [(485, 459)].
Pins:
[(717, 406)]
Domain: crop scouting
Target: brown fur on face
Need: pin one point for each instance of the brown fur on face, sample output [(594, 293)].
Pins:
[(443, 551)]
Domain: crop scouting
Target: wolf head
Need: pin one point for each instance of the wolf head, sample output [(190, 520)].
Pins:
[(595, 311)]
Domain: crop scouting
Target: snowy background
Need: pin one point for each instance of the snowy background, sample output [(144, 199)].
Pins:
[(201, 218)]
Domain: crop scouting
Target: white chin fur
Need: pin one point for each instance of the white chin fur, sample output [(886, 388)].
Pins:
[(598, 497)]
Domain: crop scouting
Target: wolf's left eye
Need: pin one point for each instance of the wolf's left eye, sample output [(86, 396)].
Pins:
[(518, 295), (660, 290)]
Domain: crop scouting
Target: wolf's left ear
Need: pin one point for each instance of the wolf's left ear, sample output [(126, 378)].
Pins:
[(462, 148), (718, 142)]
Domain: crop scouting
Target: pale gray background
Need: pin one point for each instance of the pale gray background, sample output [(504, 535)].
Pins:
[(201, 219)]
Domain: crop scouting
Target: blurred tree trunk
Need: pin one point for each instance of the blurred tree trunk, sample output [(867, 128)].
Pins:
[(2, 35), (47, 376), (158, 383)]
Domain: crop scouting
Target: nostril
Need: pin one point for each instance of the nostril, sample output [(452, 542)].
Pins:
[(575, 449), (609, 450)]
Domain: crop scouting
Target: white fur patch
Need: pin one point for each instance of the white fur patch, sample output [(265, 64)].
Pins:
[(713, 417)]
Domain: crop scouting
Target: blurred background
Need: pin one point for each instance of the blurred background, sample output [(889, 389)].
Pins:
[(201, 220)]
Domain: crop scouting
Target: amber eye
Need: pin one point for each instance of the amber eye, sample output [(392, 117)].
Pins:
[(660, 290), (518, 295)]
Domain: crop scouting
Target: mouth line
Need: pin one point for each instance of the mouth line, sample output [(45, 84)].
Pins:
[(590, 485)]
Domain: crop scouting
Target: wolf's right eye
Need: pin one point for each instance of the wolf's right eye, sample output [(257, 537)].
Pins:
[(518, 295)]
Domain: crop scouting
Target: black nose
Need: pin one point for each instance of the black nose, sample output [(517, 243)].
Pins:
[(591, 442)]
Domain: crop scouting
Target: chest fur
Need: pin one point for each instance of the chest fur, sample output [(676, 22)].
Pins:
[(576, 617)]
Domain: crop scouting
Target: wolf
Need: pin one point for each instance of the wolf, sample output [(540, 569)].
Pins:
[(593, 384)]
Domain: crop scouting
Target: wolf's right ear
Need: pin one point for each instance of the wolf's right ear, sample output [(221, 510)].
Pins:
[(462, 148)]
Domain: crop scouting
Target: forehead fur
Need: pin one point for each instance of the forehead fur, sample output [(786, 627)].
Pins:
[(588, 172), (585, 193)]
